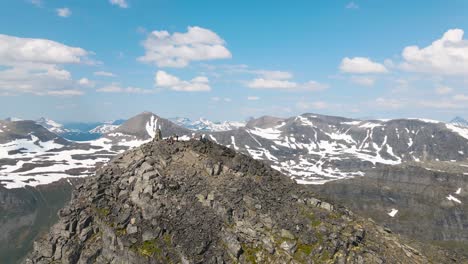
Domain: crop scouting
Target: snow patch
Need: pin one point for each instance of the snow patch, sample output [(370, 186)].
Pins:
[(393, 212), (463, 132), (151, 126), (451, 198)]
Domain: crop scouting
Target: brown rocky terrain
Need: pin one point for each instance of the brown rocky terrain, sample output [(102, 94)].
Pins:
[(199, 202)]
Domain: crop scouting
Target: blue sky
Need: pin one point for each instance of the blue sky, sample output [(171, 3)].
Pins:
[(92, 60)]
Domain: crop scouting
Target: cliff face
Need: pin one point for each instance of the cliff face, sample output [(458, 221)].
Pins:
[(199, 202), (25, 214), (422, 197)]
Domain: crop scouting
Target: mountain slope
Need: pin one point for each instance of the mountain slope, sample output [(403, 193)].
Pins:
[(199, 202), (315, 148), (459, 121), (25, 214), (32, 155), (144, 125), (203, 124), (52, 126), (427, 204), (107, 127), (310, 148)]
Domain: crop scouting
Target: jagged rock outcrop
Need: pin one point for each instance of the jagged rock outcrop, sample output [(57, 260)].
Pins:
[(199, 202)]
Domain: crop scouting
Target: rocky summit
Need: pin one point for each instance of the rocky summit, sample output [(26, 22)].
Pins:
[(199, 202)]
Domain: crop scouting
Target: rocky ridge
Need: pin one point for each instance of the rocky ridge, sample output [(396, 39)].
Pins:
[(199, 202)]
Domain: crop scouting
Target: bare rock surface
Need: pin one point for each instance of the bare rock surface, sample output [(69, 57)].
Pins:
[(199, 202)]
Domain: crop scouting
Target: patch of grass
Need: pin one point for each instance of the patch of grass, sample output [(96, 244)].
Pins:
[(314, 221), (304, 248), (167, 239), (250, 253), (121, 232), (103, 212), (149, 248)]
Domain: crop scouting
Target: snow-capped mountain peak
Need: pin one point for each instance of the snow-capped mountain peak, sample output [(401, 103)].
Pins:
[(204, 124), (51, 125), (459, 121)]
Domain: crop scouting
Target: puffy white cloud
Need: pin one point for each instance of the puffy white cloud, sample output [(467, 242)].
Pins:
[(271, 84), (36, 80), (116, 88), (443, 90), (277, 75), (120, 3), (253, 98), (361, 65), (460, 97), (281, 80), (441, 104), (14, 51), (86, 82), (36, 66), (179, 49), (446, 56), (352, 5), (165, 80), (63, 12), (37, 3), (65, 92), (104, 73), (389, 103), (313, 86), (364, 81)]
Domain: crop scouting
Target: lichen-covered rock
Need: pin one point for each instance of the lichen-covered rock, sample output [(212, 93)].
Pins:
[(199, 202)]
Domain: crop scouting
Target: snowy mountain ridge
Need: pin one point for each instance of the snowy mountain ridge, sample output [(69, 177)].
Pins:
[(52, 125), (203, 124), (459, 121), (310, 148)]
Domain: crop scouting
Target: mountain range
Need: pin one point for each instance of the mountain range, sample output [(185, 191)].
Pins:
[(407, 174), (310, 148), (199, 202), (459, 121)]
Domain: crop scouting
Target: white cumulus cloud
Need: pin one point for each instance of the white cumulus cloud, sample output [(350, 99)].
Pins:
[(352, 5), (104, 73), (363, 81), (14, 50), (361, 65), (165, 80), (389, 103), (63, 12), (277, 75), (36, 66), (312, 105), (65, 92), (120, 3), (282, 80), (446, 56), (86, 82), (443, 90), (179, 49), (460, 97), (116, 88), (271, 84)]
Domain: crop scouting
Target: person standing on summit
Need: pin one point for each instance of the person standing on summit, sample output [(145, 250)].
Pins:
[(158, 135)]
